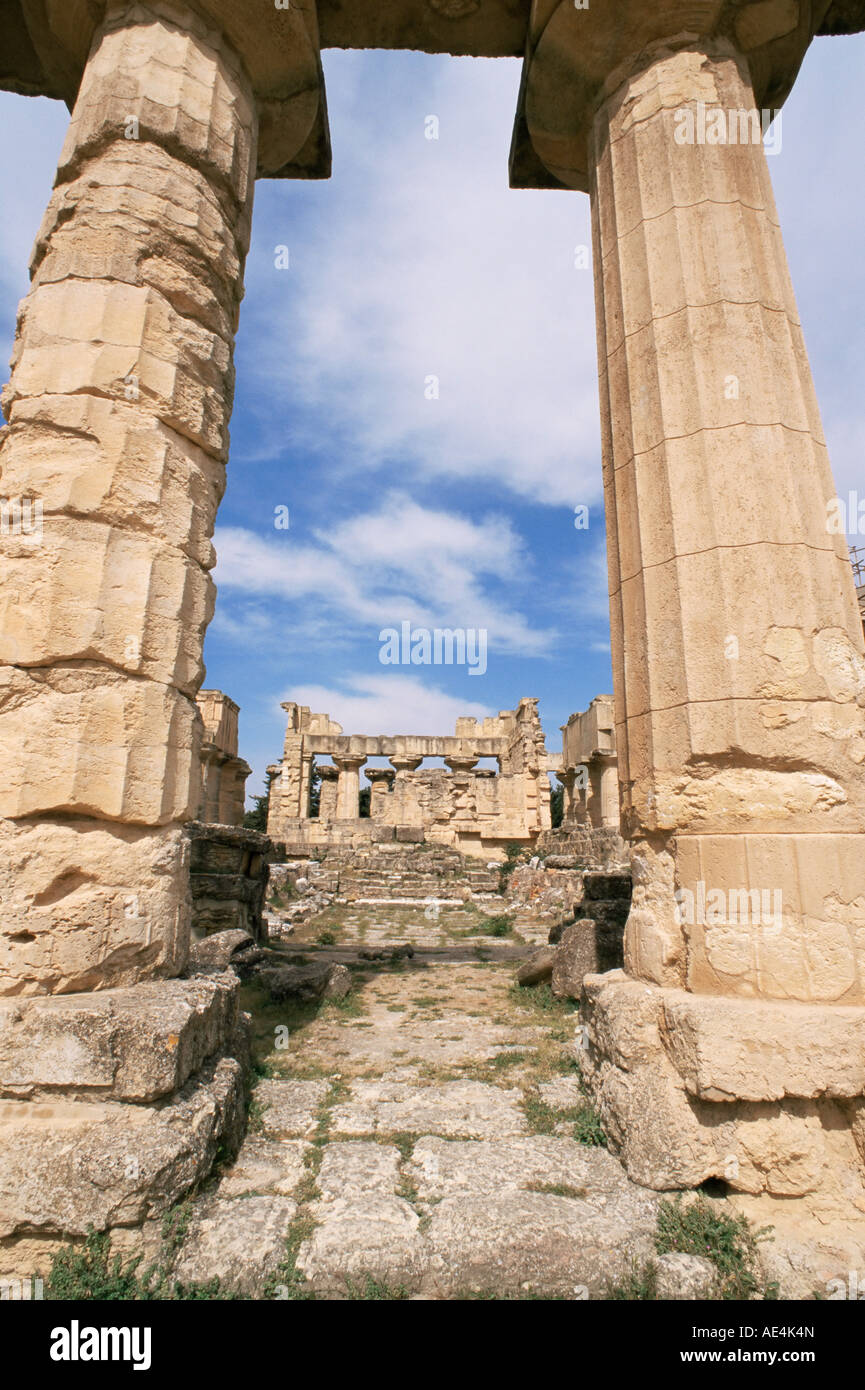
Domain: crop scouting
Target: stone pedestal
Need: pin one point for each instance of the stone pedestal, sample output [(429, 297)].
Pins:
[(737, 655), (118, 410)]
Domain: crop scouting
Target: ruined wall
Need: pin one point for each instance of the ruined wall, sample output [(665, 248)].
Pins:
[(223, 773)]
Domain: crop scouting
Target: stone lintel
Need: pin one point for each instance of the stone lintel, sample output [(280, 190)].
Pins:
[(136, 1044)]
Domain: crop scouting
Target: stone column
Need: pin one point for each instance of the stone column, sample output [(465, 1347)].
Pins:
[(737, 644), (381, 781), (567, 777), (462, 763), (608, 794), (327, 792), (403, 763), (738, 665), (118, 412), (348, 788)]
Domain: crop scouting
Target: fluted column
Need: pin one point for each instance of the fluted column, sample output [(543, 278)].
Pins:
[(737, 644), (348, 787), (118, 411), (608, 791)]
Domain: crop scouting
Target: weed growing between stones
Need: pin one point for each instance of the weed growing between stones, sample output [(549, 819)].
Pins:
[(513, 854), (544, 1118), (502, 925), (700, 1227), (639, 1284), (372, 1290), (87, 1273)]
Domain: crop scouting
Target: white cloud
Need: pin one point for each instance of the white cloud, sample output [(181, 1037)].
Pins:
[(443, 271), (402, 562), (388, 704)]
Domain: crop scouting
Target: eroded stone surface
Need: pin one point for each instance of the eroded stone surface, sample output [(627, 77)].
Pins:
[(239, 1241), (289, 1107), (127, 1044), (67, 1165), (459, 1108)]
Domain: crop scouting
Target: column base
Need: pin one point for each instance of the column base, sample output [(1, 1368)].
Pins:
[(767, 1097), (90, 904), (112, 1107)]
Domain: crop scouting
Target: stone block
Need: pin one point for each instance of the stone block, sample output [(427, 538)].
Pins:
[(86, 740), (240, 1241), (737, 1049), (538, 967), (134, 1044), (586, 947), (89, 905), (69, 1165)]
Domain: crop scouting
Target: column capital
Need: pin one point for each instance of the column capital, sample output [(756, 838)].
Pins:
[(348, 762), (460, 763), (403, 762)]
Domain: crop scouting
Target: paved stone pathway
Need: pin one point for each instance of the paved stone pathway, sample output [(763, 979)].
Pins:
[(421, 1138)]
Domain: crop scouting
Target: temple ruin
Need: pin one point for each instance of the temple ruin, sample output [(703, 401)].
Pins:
[(729, 1047), (477, 810), (223, 773)]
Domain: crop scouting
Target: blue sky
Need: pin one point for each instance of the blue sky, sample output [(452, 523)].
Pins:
[(416, 260)]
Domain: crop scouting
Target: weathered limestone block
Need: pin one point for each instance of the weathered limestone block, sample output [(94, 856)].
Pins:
[(68, 1165), (586, 947), (83, 457), (89, 904), (239, 1240), (179, 87), (106, 595), (669, 1138), (134, 1044), (89, 742), (229, 871), (728, 1049), (124, 341), (118, 409), (538, 967), (682, 1276)]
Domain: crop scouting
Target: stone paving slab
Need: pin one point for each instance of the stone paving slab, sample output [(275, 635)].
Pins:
[(529, 1242), (375, 1236), (355, 1169), (467, 1109), (239, 1240), (442, 1167), (265, 1166), (289, 1108), (562, 1093)]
